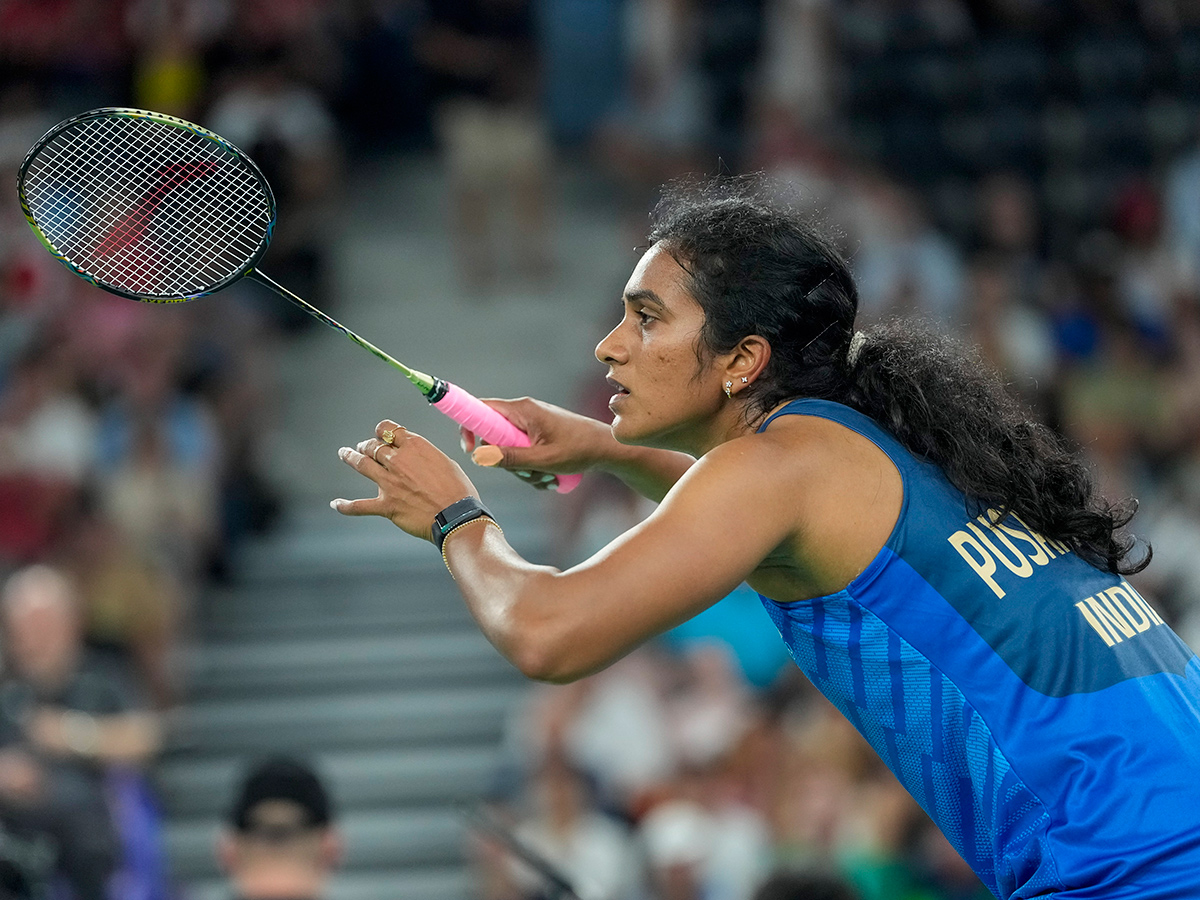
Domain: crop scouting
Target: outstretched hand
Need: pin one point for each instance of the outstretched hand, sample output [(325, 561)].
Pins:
[(560, 442), (416, 480)]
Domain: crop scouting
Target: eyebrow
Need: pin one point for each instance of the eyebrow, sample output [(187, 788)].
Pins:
[(644, 296)]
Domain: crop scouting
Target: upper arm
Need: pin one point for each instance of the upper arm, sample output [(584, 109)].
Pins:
[(712, 530)]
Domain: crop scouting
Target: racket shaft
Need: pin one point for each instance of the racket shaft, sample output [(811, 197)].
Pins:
[(460, 406), (476, 416)]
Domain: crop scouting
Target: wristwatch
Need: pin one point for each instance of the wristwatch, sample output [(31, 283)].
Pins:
[(459, 513)]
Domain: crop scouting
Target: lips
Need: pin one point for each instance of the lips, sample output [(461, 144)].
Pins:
[(621, 393)]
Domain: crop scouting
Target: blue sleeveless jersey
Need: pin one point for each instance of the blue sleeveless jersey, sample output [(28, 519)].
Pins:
[(1038, 708)]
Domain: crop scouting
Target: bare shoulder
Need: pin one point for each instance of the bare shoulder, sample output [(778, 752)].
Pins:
[(805, 452), (834, 493)]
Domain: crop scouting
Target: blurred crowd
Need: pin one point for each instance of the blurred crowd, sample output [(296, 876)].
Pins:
[(1023, 174)]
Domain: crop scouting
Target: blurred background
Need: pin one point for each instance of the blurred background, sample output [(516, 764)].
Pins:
[(466, 183)]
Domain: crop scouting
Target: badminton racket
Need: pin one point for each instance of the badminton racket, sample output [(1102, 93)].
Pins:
[(559, 886), (157, 209)]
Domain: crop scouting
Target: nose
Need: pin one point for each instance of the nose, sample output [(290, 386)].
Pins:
[(610, 350)]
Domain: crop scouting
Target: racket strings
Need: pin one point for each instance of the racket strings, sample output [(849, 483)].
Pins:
[(146, 207)]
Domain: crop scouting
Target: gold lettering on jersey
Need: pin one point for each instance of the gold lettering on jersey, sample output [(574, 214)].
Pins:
[(977, 558), (1018, 565), (1118, 613), (988, 543)]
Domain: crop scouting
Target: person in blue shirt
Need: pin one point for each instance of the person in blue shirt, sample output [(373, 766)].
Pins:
[(937, 563)]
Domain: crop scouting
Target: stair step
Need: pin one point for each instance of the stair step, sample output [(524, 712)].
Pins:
[(414, 883), (326, 664), (309, 725)]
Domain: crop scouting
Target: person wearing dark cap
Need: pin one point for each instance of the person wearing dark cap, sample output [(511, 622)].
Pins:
[(281, 843)]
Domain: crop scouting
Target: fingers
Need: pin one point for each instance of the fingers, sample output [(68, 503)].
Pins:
[(389, 432), (368, 506), (519, 411), (490, 456), (377, 450), (540, 480), (361, 461), (466, 439), (487, 455), (365, 457)]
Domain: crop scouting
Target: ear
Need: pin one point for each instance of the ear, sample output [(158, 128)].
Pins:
[(747, 361), (226, 852), (332, 848)]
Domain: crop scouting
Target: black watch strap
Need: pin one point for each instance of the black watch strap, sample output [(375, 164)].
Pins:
[(459, 513)]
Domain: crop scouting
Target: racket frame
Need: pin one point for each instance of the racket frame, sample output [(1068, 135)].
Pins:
[(122, 112)]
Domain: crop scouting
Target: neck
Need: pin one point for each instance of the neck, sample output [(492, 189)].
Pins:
[(734, 421), (281, 882)]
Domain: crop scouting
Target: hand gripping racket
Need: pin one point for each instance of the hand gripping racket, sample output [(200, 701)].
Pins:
[(151, 207)]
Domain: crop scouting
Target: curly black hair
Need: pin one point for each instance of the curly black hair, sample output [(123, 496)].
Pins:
[(757, 266)]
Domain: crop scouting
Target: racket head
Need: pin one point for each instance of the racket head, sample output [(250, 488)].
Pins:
[(145, 205)]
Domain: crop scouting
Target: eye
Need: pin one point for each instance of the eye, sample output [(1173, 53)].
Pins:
[(644, 318)]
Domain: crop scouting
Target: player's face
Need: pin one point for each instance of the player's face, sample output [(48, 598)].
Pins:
[(666, 396)]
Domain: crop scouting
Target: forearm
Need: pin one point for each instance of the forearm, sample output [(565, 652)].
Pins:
[(132, 738), (648, 471), (540, 619), (123, 738)]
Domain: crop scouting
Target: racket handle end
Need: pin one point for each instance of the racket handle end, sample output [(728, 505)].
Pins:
[(475, 415)]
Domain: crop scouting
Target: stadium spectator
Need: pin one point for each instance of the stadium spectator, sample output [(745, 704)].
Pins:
[(65, 718), (133, 611), (286, 127), (38, 489), (281, 842), (482, 56), (593, 850)]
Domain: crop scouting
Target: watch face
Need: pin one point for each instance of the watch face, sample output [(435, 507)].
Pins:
[(457, 513)]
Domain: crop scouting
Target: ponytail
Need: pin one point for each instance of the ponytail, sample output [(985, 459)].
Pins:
[(945, 404)]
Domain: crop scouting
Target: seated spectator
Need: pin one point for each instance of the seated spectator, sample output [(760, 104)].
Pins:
[(905, 265), (286, 128), (158, 454), (664, 118), (482, 57), (39, 409), (65, 717), (594, 851), (281, 841), (132, 609)]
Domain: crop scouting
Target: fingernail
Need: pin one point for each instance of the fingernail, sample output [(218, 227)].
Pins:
[(487, 455), (546, 479), (333, 504), (524, 473), (344, 452)]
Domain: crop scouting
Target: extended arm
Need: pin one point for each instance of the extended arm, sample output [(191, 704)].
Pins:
[(710, 532)]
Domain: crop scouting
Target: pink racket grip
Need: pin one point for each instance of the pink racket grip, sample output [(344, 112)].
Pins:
[(475, 415)]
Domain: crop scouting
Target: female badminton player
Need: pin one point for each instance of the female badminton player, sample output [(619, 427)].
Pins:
[(937, 564)]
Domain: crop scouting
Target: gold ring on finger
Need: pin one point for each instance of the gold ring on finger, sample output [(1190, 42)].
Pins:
[(375, 453), (388, 436)]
